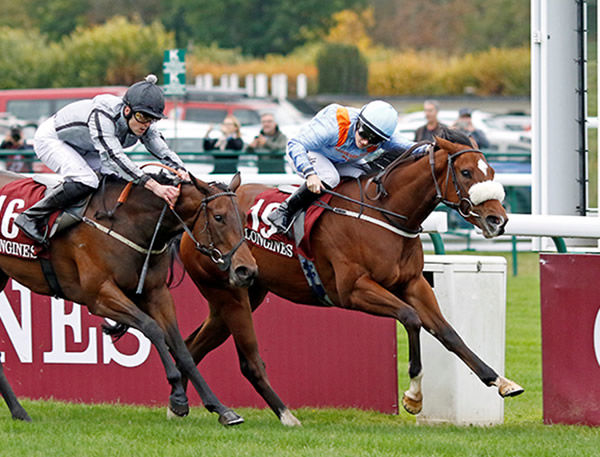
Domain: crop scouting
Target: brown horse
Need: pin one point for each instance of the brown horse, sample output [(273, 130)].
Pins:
[(102, 270), (362, 266)]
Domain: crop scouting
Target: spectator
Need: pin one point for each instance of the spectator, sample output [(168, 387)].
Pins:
[(433, 127), (14, 140), (270, 137), (464, 124), (230, 140)]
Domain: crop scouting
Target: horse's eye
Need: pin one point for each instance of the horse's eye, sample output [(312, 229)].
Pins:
[(466, 173), (219, 218)]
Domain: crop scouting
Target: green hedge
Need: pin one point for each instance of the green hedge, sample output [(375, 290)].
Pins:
[(342, 69)]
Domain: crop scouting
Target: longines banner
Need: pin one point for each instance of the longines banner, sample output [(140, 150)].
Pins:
[(314, 357), (570, 306)]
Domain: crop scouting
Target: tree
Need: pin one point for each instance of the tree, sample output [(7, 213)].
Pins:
[(454, 26), (258, 27)]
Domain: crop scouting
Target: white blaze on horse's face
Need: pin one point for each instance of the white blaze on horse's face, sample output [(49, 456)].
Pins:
[(483, 166)]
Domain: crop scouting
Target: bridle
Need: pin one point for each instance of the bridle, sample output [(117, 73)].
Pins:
[(223, 261), (464, 205)]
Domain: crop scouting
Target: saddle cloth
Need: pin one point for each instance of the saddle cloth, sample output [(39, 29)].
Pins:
[(261, 233), (16, 197)]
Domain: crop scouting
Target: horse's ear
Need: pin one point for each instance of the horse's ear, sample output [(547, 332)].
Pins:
[(200, 185), (443, 144), (235, 182)]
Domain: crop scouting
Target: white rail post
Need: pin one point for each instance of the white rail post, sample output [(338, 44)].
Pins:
[(262, 85), (249, 83), (208, 81), (234, 81), (301, 86)]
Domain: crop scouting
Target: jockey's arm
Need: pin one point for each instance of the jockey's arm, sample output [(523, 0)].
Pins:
[(157, 146)]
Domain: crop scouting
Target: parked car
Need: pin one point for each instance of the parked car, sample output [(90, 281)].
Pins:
[(505, 134), (36, 105)]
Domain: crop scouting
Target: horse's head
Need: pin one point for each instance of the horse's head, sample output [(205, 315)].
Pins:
[(211, 214), (470, 187)]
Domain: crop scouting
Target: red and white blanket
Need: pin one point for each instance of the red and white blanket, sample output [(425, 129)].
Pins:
[(15, 197), (260, 232)]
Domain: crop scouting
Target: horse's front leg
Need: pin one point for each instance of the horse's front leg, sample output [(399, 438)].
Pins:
[(231, 313), (420, 295), (161, 308), (366, 295)]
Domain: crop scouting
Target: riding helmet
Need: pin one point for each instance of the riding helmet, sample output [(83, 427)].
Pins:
[(380, 117), (147, 97)]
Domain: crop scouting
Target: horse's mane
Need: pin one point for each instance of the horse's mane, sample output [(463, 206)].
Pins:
[(160, 177), (387, 158)]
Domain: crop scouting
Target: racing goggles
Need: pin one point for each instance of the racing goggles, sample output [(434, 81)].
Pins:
[(366, 133), (143, 118)]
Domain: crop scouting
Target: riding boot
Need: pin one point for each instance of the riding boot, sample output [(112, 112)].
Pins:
[(34, 221), (285, 215)]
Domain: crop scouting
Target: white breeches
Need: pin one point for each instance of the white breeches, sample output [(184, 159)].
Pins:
[(62, 158), (331, 173)]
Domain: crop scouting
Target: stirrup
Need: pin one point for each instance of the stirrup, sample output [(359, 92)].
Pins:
[(279, 218)]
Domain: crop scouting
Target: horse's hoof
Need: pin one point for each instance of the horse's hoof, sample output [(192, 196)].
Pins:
[(412, 405), (21, 415), (175, 410), (289, 420), (230, 417), (508, 388)]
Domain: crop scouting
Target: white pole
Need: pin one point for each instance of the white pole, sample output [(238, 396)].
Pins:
[(249, 85), (224, 82), (208, 81), (262, 85), (234, 81), (199, 82), (301, 86)]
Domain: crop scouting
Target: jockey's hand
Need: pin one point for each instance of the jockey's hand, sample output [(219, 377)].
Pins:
[(314, 184), (183, 175), (167, 193)]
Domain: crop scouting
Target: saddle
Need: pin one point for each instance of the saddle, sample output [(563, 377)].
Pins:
[(296, 241), (19, 195)]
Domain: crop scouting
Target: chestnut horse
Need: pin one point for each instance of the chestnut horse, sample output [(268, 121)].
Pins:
[(102, 270), (362, 266)]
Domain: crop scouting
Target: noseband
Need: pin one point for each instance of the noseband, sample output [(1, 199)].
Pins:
[(223, 261)]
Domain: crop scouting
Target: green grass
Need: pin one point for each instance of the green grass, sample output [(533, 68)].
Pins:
[(114, 430)]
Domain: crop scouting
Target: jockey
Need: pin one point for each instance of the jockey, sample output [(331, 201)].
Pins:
[(85, 140), (334, 144)]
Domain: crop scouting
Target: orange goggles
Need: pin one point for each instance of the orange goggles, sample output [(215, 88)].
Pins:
[(143, 118)]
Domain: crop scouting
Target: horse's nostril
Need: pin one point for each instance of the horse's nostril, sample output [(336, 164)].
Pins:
[(493, 220), (242, 272)]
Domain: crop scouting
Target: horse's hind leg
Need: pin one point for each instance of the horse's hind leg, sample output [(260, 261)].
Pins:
[(420, 295), (231, 313), (16, 410)]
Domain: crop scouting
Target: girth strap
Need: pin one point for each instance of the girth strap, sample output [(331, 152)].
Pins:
[(51, 278)]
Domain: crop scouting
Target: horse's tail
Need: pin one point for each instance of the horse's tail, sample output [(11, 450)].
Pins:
[(174, 253), (116, 331)]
